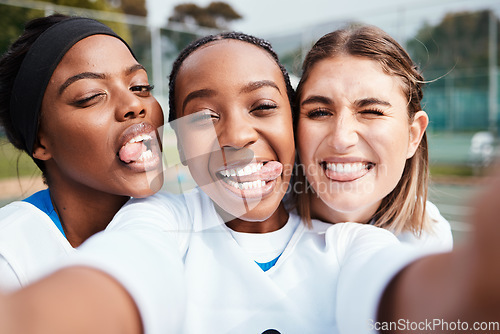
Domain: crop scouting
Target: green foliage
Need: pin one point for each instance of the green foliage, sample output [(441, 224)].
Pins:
[(89, 4), (14, 163), (451, 170), (134, 7), (216, 15), (12, 21), (459, 41)]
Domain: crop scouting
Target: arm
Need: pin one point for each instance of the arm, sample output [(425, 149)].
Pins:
[(85, 301), (8, 277), (460, 285), (128, 281)]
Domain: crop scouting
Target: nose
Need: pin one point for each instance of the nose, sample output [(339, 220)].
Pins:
[(236, 132), (344, 131), (129, 106)]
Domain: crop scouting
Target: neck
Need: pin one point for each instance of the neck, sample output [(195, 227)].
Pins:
[(84, 211), (276, 221), (320, 210)]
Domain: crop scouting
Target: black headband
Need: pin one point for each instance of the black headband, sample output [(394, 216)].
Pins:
[(37, 67)]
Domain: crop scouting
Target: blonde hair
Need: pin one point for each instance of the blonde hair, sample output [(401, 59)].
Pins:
[(404, 208)]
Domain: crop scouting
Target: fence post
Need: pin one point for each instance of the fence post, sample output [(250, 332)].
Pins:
[(493, 74)]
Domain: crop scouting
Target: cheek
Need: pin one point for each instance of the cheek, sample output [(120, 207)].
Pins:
[(157, 115), (307, 142)]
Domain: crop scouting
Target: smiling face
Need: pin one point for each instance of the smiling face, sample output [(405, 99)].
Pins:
[(354, 136), (235, 131), (98, 122)]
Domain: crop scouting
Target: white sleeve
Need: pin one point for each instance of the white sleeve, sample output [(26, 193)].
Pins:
[(437, 238), (148, 265), (440, 235), (141, 249), (8, 278), (373, 257)]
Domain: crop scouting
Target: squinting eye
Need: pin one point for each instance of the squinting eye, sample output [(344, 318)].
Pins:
[(88, 101), (264, 109), (375, 112), (142, 89), (266, 106), (201, 118), (318, 113)]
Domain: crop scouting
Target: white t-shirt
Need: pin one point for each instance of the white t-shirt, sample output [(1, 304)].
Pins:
[(438, 238), (29, 243), (174, 254)]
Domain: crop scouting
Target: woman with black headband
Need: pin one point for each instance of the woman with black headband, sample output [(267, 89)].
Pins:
[(75, 99)]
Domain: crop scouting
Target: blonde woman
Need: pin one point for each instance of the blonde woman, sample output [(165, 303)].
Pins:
[(361, 138)]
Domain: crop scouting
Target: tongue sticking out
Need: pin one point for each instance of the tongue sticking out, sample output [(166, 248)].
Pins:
[(131, 152), (270, 171)]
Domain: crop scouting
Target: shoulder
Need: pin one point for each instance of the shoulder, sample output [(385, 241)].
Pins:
[(17, 214), (353, 239), (161, 208), (164, 210), (437, 236), (29, 240)]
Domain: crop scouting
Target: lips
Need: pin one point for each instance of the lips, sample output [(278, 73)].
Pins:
[(140, 149), (346, 171), (252, 180)]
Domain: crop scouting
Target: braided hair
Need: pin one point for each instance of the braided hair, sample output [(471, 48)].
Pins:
[(195, 45)]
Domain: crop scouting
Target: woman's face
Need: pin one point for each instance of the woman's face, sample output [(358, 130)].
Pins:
[(354, 136), (99, 120), (235, 127)]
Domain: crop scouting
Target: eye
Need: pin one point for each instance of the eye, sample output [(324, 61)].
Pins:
[(318, 113), (202, 118), (142, 90), (88, 101), (372, 111), (263, 109)]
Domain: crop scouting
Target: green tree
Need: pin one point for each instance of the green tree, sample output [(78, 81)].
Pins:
[(459, 41), (13, 18), (12, 21), (454, 56), (134, 7), (217, 15)]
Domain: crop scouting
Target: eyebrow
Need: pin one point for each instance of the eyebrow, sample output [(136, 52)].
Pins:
[(93, 75), (252, 86), (317, 99), (371, 101), (198, 94), (359, 103)]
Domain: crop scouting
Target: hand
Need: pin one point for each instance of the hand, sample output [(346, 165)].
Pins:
[(485, 249)]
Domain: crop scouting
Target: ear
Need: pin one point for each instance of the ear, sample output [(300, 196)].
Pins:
[(417, 130), (40, 148)]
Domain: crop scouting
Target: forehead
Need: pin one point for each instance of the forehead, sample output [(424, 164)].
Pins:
[(96, 53), (229, 59), (353, 74)]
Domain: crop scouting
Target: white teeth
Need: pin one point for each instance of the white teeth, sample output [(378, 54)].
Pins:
[(145, 155), (246, 185), (140, 138), (346, 168), (247, 170)]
